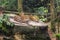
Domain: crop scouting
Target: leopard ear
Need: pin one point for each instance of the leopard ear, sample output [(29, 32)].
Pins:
[(22, 13)]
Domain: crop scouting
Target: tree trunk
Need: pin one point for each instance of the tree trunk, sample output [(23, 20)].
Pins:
[(20, 5), (52, 9)]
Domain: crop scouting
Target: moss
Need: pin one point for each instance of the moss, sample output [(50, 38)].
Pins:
[(58, 36)]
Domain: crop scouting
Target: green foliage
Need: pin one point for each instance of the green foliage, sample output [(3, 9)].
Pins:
[(6, 19), (43, 19), (4, 23), (42, 10), (9, 4), (58, 35), (30, 5), (57, 2)]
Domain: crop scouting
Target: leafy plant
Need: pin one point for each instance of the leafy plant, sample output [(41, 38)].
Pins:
[(58, 36), (43, 19), (4, 23), (41, 10), (9, 4), (30, 5)]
